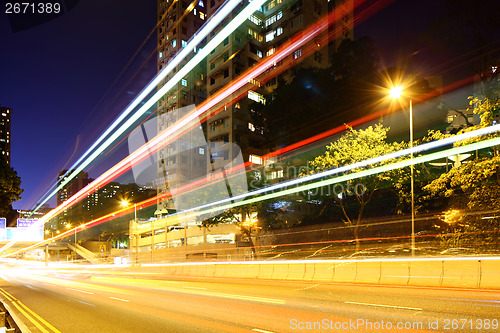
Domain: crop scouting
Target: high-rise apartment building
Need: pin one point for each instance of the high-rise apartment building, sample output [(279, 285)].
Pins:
[(5, 134), (178, 21), (230, 129), (71, 215)]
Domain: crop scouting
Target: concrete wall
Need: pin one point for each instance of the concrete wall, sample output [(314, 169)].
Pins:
[(471, 272)]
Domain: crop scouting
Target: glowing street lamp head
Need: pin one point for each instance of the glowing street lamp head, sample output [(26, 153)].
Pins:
[(396, 92), (124, 203)]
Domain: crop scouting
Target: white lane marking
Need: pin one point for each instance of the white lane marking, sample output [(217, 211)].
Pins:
[(386, 306), (305, 288), (262, 331), (119, 299), (195, 288), (81, 291), (82, 302)]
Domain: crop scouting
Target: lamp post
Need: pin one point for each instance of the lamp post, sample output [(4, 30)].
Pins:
[(396, 93), (125, 204)]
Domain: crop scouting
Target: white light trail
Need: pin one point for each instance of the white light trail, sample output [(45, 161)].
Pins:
[(404, 152), (204, 31)]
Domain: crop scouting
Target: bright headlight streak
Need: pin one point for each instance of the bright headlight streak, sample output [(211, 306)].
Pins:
[(192, 43), (364, 173), (158, 140), (404, 152)]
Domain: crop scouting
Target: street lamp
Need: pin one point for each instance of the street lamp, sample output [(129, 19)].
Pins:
[(396, 93), (125, 204)]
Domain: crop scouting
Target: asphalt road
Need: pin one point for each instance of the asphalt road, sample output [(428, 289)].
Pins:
[(62, 301)]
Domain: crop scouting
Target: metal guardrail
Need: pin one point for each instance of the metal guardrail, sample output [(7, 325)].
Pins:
[(7, 323)]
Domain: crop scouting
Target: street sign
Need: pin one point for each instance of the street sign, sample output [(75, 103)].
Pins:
[(102, 250), (25, 223)]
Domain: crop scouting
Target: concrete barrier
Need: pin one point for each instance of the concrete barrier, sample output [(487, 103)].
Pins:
[(323, 271), (296, 271), (490, 274), (220, 270), (310, 271), (395, 273), (345, 271), (461, 274), (368, 272), (243, 271), (210, 270), (280, 271), (426, 273), (476, 272), (266, 270)]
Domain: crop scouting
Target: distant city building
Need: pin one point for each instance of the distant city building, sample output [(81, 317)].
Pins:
[(102, 201), (31, 214), (110, 197), (73, 186), (5, 136), (74, 213)]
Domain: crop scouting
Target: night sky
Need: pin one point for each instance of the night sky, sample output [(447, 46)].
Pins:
[(56, 76)]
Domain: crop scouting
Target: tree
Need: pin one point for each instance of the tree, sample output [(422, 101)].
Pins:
[(356, 146), (472, 188), (10, 188), (244, 216)]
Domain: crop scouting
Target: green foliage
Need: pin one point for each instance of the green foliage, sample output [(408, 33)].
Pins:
[(474, 185), (10, 188), (356, 146), (472, 188)]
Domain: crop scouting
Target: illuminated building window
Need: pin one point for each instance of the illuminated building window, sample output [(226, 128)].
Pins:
[(255, 20), (256, 97), (279, 15), (259, 54), (194, 12), (255, 159), (251, 127), (201, 4), (270, 20), (183, 43), (270, 36), (160, 55), (270, 51), (279, 31), (202, 16), (174, 43), (255, 35), (297, 54)]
